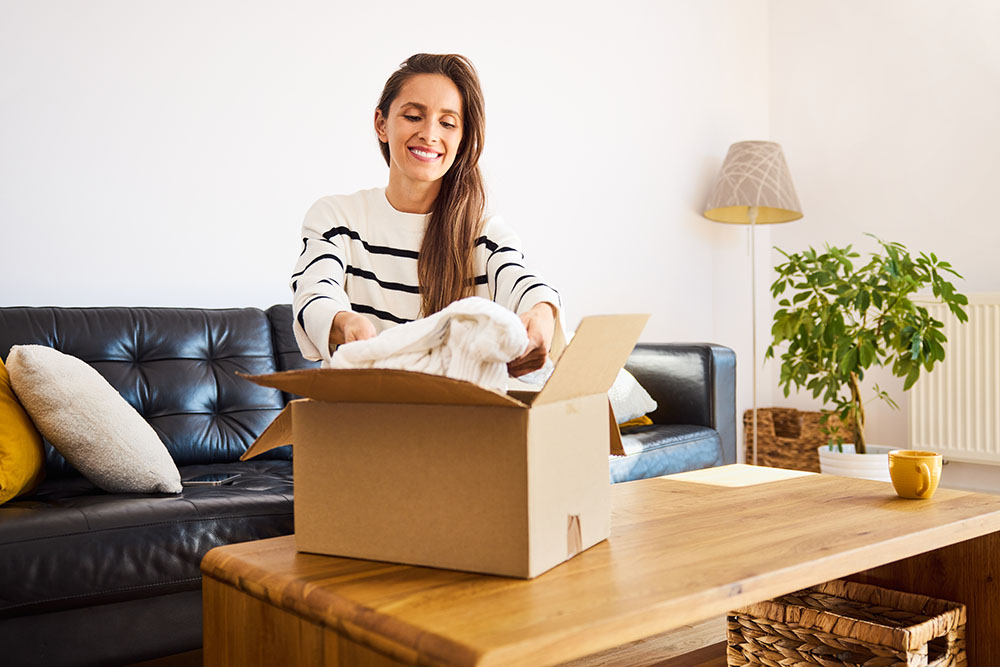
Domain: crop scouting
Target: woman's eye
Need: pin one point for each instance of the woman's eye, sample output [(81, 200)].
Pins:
[(416, 119)]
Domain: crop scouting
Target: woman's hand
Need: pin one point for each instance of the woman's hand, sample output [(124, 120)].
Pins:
[(349, 327), (540, 322)]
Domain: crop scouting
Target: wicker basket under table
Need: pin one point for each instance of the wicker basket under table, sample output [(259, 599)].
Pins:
[(847, 623)]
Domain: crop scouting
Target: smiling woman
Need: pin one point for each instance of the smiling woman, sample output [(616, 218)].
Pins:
[(390, 255)]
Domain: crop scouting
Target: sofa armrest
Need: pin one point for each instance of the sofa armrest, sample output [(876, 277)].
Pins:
[(692, 383)]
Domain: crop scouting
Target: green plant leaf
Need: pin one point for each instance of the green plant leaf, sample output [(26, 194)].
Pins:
[(866, 354), (850, 361), (863, 301)]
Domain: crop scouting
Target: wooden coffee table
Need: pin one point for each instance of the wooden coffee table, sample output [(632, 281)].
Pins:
[(683, 549)]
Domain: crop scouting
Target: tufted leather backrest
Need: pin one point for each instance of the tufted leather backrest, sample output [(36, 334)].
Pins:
[(175, 366), (286, 350)]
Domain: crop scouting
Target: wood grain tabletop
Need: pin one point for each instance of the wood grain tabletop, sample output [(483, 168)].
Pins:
[(682, 549)]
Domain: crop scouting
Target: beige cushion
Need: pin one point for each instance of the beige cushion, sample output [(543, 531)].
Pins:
[(89, 423)]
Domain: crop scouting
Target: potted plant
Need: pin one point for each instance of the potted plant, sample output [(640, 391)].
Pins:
[(839, 320)]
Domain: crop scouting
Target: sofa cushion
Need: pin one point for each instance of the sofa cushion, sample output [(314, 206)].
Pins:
[(90, 423), (664, 449), (629, 401), (21, 455), (176, 366), (69, 545), (286, 349)]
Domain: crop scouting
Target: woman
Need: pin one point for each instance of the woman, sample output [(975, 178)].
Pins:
[(387, 256)]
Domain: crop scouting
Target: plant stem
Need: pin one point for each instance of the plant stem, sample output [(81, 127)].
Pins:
[(858, 412)]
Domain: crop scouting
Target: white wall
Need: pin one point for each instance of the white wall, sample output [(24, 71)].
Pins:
[(891, 110), (159, 153), (164, 153)]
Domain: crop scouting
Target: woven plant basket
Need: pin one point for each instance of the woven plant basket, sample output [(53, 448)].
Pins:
[(846, 623), (786, 437)]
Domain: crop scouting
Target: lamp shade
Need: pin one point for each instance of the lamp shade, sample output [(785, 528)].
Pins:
[(754, 174)]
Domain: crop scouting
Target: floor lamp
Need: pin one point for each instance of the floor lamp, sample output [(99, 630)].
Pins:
[(754, 188)]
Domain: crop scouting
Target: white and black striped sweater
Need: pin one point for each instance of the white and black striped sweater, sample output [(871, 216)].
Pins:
[(360, 254)]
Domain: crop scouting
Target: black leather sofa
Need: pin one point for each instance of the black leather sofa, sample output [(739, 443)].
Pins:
[(90, 578), (694, 424)]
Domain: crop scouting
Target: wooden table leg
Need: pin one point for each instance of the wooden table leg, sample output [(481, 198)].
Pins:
[(966, 572)]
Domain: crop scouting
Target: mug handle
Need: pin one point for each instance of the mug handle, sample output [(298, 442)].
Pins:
[(925, 478)]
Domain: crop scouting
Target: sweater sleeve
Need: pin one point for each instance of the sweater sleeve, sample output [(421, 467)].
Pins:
[(511, 281), (318, 282)]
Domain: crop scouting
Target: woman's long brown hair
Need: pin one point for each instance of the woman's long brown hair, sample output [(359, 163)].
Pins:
[(445, 266)]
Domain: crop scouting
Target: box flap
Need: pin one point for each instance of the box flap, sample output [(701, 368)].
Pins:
[(277, 434), (617, 448), (378, 385), (590, 363)]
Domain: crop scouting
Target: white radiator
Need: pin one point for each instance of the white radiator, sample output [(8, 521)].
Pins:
[(955, 409)]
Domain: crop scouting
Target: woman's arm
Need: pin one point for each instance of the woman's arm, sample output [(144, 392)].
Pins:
[(317, 283), (514, 285), (540, 321)]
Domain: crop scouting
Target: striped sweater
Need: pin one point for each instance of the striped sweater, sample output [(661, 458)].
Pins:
[(360, 254)]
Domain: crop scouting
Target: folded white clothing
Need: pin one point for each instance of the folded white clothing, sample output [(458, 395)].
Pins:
[(472, 339)]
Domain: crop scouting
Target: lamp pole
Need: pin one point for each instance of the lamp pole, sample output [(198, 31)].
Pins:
[(754, 185)]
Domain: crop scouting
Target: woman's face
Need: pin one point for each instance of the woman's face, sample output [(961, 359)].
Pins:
[(423, 128)]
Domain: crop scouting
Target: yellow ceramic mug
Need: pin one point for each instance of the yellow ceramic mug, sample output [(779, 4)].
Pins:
[(914, 474)]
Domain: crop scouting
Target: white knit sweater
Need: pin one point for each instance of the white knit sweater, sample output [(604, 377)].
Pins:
[(472, 339), (360, 254)]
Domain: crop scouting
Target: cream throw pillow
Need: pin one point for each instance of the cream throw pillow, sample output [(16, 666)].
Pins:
[(628, 399), (89, 422)]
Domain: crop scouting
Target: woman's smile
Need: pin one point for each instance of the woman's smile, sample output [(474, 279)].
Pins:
[(425, 154)]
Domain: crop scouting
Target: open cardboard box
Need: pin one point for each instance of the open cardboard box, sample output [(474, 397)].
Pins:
[(426, 470)]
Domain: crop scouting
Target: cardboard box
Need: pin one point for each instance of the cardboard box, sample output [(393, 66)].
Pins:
[(426, 470)]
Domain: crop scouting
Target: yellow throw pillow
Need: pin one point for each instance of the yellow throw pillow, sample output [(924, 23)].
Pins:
[(22, 459), (638, 421)]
